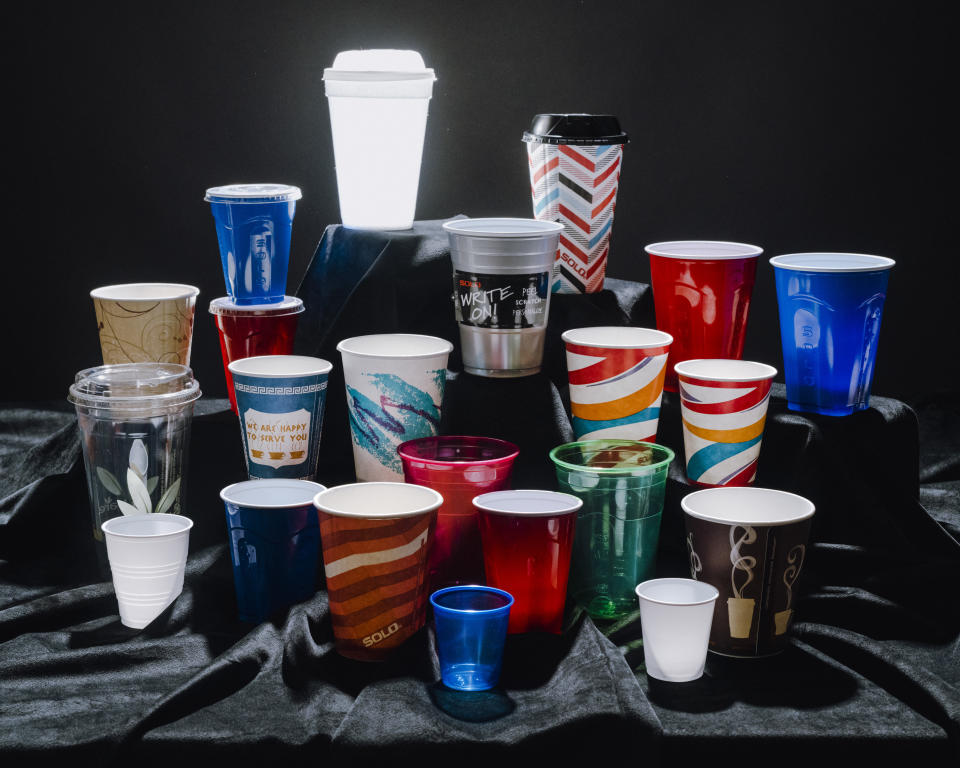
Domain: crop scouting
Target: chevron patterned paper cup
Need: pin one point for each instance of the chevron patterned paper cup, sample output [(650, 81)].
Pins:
[(376, 540), (616, 381), (724, 408), (574, 175)]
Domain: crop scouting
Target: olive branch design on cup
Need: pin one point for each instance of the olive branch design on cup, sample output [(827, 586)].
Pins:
[(139, 486), (695, 564)]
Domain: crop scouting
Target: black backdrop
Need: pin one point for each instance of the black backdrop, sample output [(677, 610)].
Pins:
[(795, 126)]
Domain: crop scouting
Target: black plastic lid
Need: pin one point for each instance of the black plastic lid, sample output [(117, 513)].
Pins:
[(576, 129)]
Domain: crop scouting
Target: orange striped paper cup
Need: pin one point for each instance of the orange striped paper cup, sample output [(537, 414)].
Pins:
[(376, 540)]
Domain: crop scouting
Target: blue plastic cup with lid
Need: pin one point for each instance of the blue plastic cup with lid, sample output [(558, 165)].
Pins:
[(254, 224)]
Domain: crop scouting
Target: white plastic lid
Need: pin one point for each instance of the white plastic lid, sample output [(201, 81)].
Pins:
[(253, 193), (703, 249), (379, 73), (832, 262)]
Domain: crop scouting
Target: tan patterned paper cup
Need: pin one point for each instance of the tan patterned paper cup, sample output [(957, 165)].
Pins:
[(376, 540), (145, 322)]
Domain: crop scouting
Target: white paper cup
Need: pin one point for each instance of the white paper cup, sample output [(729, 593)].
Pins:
[(378, 115), (394, 385), (147, 555), (675, 616)]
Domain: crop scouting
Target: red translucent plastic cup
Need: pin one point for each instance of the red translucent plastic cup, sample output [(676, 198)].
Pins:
[(527, 542), (458, 468), (253, 330), (701, 294)]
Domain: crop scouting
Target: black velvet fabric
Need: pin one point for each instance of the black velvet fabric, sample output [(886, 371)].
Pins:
[(872, 670)]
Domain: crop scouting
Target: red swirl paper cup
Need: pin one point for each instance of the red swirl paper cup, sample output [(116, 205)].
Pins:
[(376, 540)]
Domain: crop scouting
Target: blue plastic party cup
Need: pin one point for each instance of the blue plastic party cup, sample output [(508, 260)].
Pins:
[(280, 401), (274, 544), (254, 224), (471, 628), (830, 308)]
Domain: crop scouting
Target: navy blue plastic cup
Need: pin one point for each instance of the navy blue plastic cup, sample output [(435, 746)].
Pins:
[(280, 402), (830, 308), (274, 544), (254, 224), (471, 628)]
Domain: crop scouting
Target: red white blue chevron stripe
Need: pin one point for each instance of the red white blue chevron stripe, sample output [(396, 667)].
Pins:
[(577, 186)]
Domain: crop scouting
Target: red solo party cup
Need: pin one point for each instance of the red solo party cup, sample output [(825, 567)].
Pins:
[(458, 468), (253, 330), (701, 293), (527, 542)]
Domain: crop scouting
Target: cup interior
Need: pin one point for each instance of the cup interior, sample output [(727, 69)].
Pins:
[(529, 503), (395, 345), (725, 370), (472, 599), (271, 493), (458, 449), (704, 249), (832, 262), (377, 500), (145, 291), (146, 526), (747, 506), (677, 592), (280, 366), (612, 456), (502, 227), (617, 337)]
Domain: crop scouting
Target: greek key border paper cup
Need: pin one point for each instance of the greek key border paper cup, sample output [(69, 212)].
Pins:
[(280, 401)]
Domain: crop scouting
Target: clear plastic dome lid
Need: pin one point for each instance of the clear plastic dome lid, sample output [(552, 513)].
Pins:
[(148, 387)]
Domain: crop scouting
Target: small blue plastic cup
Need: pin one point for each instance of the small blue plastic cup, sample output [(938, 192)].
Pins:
[(274, 544), (254, 224), (830, 308), (471, 628)]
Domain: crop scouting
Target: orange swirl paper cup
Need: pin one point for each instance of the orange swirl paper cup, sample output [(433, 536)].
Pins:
[(376, 540)]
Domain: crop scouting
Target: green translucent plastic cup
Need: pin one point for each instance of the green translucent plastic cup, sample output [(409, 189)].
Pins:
[(622, 485)]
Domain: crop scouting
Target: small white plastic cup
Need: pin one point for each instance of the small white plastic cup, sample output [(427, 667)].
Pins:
[(675, 616), (378, 115), (148, 554), (394, 384)]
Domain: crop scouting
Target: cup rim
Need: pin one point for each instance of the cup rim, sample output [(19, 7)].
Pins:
[(869, 262), (428, 506), (184, 521), (444, 347), (675, 580), (763, 373), (225, 306), (658, 338), (267, 482), (744, 519), (475, 588), (737, 250), (511, 451), (174, 291), (613, 443), (312, 366), (484, 502), (502, 227)]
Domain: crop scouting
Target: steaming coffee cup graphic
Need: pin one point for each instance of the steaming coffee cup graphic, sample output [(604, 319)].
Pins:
[(751, 545)]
